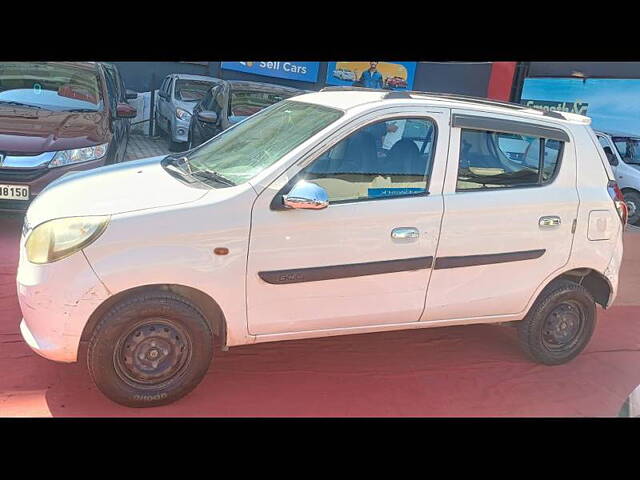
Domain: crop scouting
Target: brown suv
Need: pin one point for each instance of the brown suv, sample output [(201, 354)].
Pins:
[(57, 117)]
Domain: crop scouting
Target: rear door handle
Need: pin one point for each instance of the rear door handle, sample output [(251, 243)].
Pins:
[(405, 232), (549, 221)]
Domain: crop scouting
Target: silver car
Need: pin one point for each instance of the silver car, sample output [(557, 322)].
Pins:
[(177, 96)]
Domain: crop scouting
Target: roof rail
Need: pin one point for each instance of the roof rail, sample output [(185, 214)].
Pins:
[(448, 96)]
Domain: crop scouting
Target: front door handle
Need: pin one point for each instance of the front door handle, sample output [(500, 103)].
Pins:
[(549, 221), (405, 232)]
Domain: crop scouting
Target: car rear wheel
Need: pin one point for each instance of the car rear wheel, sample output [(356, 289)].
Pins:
[(151, 349), (559, 325), (632, 199)]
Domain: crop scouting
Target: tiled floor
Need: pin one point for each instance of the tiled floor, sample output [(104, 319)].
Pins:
[(142, 146)]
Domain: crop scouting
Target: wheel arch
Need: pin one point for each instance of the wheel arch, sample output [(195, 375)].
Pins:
[(209, 308), (595, 282)]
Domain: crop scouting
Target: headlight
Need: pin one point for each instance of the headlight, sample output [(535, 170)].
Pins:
[(182, 114), (77, 155), (56, 239)]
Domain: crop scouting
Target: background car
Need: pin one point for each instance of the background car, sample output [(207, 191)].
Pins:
[(344, 74), (230, 102), (56, 117), (396, 82), (623, 153), (177, 97)]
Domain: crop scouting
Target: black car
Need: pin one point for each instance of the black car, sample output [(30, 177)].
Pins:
[(229, 102)]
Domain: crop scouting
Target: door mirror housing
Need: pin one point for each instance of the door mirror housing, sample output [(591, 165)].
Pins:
[(208, 116), (306, 195), (124, 110)]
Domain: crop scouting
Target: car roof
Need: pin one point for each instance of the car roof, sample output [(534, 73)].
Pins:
[(190, 76), (613, 133), (237, 84), (346, 98)]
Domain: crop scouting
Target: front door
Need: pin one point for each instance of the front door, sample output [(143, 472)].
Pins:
[(510, 202), (366, 258)]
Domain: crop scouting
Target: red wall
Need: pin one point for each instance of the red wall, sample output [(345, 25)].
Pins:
[(501, 80)]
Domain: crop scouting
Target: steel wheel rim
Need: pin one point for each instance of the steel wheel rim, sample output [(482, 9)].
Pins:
[(152, 353), (563, 326)]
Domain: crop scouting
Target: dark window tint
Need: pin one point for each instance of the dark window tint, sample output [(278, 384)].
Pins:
[(497, 160), (552, 150), (112, 87), (385, 159), (191, 90), (246, 103)]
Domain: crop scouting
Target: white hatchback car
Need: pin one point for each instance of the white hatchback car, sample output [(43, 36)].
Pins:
[(341, 211)]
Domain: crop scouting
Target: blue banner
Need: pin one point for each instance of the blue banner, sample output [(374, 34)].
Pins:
[(388, 75), (302, 71), (613, 102)]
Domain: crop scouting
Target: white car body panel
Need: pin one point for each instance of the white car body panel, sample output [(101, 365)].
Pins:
[(119, 188)]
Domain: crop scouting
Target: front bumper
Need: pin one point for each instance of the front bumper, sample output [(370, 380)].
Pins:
[(37, 179), (57, 300)]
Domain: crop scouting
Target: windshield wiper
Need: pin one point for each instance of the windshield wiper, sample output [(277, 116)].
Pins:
[(80, 110), (215, 176), (20, 104)]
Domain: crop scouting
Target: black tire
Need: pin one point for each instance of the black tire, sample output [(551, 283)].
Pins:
[(632, 199), (559, 325), (150, 327), (177, 146)]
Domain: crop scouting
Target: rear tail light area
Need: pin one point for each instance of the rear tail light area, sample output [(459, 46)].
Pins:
[(618, 200)]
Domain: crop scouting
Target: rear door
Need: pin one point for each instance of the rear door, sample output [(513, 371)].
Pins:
[(510, 201)]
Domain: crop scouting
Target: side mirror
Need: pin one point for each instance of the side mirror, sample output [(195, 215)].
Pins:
[(124, 110), (207, 116), (613, 160), (306, 195), (131, 95)]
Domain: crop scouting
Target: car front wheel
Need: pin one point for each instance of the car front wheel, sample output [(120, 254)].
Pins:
[(150, 349), (560, 323)]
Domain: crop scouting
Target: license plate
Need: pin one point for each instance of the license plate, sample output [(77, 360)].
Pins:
[(14, 192)]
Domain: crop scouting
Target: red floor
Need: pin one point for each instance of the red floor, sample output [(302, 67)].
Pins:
[(453, 371)]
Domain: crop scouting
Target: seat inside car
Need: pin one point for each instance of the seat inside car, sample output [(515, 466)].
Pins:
[(403, 157)]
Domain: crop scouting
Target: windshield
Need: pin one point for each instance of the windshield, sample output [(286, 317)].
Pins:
[(629, 149), (50, 86), (192, 90), (243, 151)]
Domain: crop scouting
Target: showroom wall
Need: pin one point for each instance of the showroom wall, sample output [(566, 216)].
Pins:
[(468, 78)]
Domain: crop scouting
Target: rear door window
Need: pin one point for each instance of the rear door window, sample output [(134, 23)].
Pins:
[(490, 159)]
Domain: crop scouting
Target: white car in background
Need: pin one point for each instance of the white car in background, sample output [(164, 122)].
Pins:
[(623, 153), (344, 74), (300, 222)]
